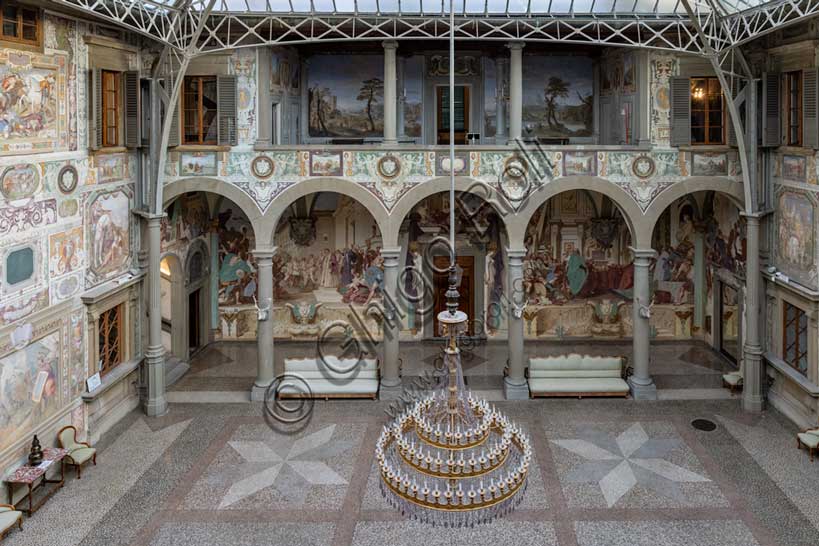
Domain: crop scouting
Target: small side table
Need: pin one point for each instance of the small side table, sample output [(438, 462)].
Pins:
[(29, 475)]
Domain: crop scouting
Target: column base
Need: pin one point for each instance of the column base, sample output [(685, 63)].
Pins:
[(389, 142), (156, 407), (513, 390), (641, 391), (390, 390), (753, 404), (257, 393)]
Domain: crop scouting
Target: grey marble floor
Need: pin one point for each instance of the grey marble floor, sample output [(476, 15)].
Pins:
[(605, 473)]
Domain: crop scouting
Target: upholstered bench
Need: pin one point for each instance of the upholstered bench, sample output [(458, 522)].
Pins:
[(79, 453), (9, 517), (337, 378), (732, 381), (810, 439), (576, 375)]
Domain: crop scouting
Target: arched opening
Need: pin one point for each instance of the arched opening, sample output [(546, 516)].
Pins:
[(698, 288), (480, 245), (327, 266), (171, 306), (578, 271)]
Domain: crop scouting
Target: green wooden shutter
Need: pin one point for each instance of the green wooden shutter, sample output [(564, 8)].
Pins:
[(810, 108), (771, 110), (226, 110), (130, 84), (680, 111), (95, 114)]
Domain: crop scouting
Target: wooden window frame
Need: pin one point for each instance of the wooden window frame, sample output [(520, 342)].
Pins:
[(111, 356), (200, 141), (108, 105), (799, 352), (20, 22), (706, 127), (793, 83)]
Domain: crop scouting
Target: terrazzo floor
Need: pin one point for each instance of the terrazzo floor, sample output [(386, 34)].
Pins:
[(605, 473)]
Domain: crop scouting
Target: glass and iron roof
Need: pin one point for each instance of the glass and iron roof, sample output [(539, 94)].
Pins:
[(694, 26)]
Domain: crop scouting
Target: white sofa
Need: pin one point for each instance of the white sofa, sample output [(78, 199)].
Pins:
[(331, 380), (577, 375)]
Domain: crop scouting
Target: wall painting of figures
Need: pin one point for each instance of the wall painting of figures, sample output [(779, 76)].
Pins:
[(558, 96), (108, 233), (237, 271), (32, 90), (29, 386), (348, 103), (796, 236)]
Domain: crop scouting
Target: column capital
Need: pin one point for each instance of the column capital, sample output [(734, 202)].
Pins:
[(150, 216), (264, 253), (643, 253), (391, 253), (516, 253), (516, 45), (389, 44), (756, 216)]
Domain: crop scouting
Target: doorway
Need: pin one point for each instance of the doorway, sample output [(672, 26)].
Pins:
[(194, 321), (466, 290), (729, 323), (461, 114)]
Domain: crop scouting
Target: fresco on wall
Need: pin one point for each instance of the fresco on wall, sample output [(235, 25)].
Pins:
[(19, 182), (558, 96), (349, 103), (662, 67), (237, 271), (31, 116), (413, 96), (66, 251), (29, 387), (796, 236), (329, 252), (108, 225), (618, 73)]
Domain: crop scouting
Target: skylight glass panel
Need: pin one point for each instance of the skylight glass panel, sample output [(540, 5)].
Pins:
[(518, 6), (431, 6), (411, 6), (388, 6), (475, 6), (367, 6), (345, 6), (324, 6), (561, 6), (301, 6)]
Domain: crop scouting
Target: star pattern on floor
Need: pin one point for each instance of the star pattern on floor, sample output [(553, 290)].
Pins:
[(297, 458), (620, 463)]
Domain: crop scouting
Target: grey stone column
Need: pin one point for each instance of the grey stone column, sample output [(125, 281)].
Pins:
[(515, 386), (753, 395), (155, 403), (264, 330), (214, 278), (390, 92), (515, 90), (642, 386), (264, 125), (500, 111), (390, 369)]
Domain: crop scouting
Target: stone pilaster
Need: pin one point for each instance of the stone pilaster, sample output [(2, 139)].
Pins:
[(265, 372), (515, 386), (640, 382), (500, 89)]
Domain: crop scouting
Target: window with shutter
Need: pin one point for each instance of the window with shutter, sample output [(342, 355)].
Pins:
[(810, 108), (95, 113), (132, 106), (199, 110), (680, 111), (793, 108), (110, 108), (227, 110), (707, 112), (771, 110), (20, 24)]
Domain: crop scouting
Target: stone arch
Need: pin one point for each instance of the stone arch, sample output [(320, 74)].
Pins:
[(353, 190), (731, 189), (463, 184), (628, 207), (219, 187)]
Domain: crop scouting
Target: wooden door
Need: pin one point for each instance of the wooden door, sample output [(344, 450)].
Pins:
[(466, 290), (461, 114)]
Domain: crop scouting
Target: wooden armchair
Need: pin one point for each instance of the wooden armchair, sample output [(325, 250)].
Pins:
[(79, 453), (9, 517), (809, 438)]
